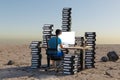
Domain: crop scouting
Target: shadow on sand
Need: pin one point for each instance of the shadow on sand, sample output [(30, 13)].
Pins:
[(17, 72)]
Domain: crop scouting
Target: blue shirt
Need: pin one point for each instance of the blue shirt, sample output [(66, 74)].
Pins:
[(52, 43)]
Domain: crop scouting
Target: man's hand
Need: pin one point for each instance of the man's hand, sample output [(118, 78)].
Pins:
[(61, 46)]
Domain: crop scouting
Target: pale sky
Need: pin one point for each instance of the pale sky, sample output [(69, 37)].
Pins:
[(23, 19)]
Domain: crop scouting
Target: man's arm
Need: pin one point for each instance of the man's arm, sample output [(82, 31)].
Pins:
[(60, 42), (61, 46)]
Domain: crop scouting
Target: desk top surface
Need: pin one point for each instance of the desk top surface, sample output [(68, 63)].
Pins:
[(72, 47)]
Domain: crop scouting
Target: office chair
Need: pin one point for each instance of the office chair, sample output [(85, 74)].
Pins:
[(58, 60)]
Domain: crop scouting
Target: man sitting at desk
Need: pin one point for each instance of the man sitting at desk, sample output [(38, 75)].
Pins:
[(55, 42)]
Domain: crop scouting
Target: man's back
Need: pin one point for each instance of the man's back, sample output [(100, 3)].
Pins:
[(54, 42)]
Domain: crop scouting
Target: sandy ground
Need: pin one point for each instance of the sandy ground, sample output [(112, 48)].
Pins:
[(20, 70)]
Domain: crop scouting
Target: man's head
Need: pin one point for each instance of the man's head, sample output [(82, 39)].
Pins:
[(58, 32)]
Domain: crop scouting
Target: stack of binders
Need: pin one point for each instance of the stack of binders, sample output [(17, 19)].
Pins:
[(80, 56), (79, 41), (47, 32), (66, 19), (36, 54), (90, 53), (70, 64)]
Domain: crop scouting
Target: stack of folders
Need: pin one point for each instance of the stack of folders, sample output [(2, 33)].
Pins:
[(90, 53), (36, 54), (70, 64), (47, 32), (79, 41), (66, 19)]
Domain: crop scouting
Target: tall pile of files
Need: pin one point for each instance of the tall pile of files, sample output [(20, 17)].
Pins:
[(79, 41), (36, 54), (80, 54), (90, 53), (70, 64), (47, 32), (66, 19)]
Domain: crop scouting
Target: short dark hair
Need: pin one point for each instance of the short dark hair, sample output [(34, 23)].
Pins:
[(58, 31)]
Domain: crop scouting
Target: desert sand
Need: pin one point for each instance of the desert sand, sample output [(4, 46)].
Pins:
[(20, 70)]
